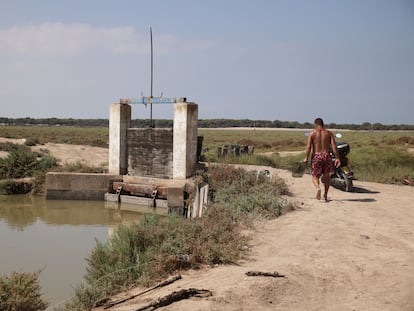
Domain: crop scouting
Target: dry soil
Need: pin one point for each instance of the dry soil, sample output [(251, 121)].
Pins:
[(354, 253)]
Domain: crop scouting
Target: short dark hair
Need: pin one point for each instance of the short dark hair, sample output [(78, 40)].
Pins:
[(319, 121)]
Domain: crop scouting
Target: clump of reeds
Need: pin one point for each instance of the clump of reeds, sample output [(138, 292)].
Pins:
[(21, 292)]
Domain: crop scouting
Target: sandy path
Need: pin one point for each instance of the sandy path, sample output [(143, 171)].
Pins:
[(353, 253), (66, 153)]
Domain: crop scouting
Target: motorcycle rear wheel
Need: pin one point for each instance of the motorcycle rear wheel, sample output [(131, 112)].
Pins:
[(349, 186)]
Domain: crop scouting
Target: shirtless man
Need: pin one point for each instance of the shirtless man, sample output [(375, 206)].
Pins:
[(319, 141)]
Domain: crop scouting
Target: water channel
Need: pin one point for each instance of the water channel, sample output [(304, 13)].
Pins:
[(56, 237)]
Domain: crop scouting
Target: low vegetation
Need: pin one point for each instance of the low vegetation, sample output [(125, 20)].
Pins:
[(375, 156), (383, 164), (156, 247), (21, 292), (81, 167), (92, 136)]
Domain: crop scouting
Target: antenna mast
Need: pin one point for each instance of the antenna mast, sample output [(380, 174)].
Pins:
[(152, 77), (145, 100)]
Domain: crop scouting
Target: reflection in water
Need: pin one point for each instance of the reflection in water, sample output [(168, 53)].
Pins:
[(56, 236)]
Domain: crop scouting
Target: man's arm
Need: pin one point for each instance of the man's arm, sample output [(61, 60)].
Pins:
[(308, 148), (335, 151)]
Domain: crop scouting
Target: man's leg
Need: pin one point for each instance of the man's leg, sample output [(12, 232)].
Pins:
[(327, 183), (315, 181)]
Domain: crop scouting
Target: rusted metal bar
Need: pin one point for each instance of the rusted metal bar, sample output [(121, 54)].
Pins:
[(145, 100)]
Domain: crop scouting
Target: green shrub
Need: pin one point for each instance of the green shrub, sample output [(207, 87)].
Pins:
[(226, 176), (22, 162), (21, 292), (45, 163), (249, 193), (31, 142), (260, 200), (19, 163), (14, 187)]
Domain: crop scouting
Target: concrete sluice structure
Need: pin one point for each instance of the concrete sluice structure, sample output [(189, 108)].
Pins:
[(147, 166)]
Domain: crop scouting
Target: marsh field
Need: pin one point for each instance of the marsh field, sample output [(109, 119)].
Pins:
[(378, 156)]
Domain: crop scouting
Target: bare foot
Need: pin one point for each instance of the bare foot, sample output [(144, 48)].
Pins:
[(326, 197), (318, 194)]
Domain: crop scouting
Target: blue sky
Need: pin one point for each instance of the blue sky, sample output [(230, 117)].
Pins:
[(346, 61)]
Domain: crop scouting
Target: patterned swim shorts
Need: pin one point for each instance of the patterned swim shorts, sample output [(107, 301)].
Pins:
[(321, 164)]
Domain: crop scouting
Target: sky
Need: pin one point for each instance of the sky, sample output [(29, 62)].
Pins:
[(346, 61)]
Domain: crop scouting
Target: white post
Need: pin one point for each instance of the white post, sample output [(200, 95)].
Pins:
[(185, 140), (119, 121)]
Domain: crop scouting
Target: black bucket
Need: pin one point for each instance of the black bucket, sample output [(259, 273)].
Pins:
[(298, 169)]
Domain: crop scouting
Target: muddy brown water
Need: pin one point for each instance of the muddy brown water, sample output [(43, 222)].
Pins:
[(56, 237)]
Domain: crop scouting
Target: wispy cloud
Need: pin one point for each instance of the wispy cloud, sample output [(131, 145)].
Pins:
[(59, 39)]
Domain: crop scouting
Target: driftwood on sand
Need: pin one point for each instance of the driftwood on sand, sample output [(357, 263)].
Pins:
[(271, 274), (161, 284), (175, 296)]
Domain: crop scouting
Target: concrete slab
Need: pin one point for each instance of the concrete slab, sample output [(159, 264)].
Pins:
[(175, 197), (78, 186)]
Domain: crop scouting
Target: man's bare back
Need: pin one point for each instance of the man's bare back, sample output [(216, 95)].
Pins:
[(321, 139)]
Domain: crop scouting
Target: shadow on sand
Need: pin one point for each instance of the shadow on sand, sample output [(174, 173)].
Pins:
[(366, 200), (363, 190), (363, 200)]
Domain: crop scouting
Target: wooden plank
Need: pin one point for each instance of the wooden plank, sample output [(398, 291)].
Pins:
[(196, 204), (200, 203), (141, 189)]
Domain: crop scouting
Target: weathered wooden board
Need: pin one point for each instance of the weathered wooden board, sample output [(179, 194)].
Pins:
[(141, 189)]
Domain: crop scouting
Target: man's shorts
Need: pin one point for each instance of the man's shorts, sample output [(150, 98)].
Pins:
[(321, 164)]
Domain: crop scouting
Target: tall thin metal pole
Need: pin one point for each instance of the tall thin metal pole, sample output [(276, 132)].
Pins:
[(152, 77)]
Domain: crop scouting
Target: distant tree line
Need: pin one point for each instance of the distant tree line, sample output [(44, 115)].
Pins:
[(202, 123), (55, 122)]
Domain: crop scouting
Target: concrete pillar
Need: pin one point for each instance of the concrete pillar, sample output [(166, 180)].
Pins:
[(119, 120), (185, 140)]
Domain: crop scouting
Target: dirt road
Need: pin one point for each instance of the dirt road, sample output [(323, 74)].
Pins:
[(354, 253)]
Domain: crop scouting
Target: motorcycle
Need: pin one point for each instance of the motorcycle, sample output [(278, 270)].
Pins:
[(342, 176)]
